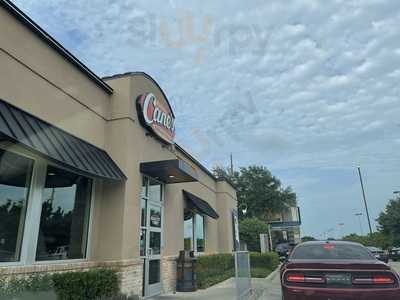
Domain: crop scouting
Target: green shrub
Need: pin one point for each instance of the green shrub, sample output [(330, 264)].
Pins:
[(14, 286), (212, 269), (260, 272), (88, 285), (264, 260)]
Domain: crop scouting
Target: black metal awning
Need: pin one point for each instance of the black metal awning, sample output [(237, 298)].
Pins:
[(56, 144), (200, 205), (169, 171)]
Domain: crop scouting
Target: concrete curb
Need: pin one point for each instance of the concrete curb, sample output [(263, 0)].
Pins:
[(272, 276)]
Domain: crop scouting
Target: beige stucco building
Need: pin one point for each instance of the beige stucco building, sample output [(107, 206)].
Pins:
[(90, 174)]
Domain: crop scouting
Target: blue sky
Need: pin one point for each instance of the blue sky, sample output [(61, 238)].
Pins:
[(308, 88)]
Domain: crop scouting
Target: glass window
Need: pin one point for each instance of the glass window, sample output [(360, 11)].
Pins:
[(188, 234), (155, 216), (145, 182), (199, 232), (15, 176), (65, 216), (154, 271), (144, 212), (155, 191), (143, 242), (155, 242)]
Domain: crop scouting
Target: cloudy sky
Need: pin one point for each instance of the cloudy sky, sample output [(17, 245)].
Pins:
[(309, 89)]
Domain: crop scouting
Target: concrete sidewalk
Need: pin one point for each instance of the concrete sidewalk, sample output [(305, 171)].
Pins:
[(272, 287), (224, 291), (262, 287)]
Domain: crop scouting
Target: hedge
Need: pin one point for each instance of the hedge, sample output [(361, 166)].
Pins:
[(264, 260), (212, 269), (90, 285)]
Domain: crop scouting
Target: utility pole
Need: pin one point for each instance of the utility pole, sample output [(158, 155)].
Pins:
[(231, 164), (365, 200)]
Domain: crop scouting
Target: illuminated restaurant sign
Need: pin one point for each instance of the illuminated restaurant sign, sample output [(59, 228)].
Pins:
[(156, 115)]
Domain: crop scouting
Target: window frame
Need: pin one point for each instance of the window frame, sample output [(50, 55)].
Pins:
[(34, 210), (146, 198)]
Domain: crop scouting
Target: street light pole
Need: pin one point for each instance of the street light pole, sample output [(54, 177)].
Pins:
[(365, 200), (359, 221)]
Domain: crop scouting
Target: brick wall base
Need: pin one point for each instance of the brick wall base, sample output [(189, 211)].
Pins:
[(168, 273), (129, 271), (132, 279)]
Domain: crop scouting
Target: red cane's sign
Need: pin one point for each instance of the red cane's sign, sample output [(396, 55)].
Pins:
[(157, 116)]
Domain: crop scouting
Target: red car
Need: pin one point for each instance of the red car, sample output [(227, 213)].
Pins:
[(336, 270)]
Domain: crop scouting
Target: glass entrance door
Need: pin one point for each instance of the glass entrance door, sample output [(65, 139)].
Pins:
[(151, 236)]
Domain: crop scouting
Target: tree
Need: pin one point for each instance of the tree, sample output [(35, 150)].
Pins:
[(377, 239), (389, 221), (250, 230), (259, 190), (308, 239)]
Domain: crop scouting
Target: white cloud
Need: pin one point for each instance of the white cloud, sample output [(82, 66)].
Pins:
[(294, 84)]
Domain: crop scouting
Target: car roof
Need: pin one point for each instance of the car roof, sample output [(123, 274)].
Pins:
[(374, 248)]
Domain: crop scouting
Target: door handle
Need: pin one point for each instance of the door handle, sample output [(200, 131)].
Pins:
[(150, 252)]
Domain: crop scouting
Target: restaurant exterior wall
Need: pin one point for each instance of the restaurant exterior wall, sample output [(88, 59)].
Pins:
[(38, 80)]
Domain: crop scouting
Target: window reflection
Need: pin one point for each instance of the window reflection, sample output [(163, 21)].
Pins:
[(200, 244), (154, 271), (15, 176), (155, 216), (65, 216), (194, 231), (188, 231), (143, 216), (142, 242), (155, 191), (155, 242)]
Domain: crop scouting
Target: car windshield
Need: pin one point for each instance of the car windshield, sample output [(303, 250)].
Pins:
[(331, 251)]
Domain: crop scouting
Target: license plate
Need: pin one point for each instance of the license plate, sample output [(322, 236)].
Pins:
[(338, 279)]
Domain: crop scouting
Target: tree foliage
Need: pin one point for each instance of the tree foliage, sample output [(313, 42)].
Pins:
[(259, 190), (250, 230), (377, 239), (308, 239), (389, 221)]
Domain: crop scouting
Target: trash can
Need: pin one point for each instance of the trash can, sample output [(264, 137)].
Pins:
[(186, 272)]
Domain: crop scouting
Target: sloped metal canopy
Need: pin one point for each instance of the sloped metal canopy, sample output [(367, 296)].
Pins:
[(169, 171), (56, 144), (200, 205)]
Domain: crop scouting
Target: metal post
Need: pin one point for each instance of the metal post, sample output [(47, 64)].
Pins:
[(270, 238), (231, 165), (365, 200)]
